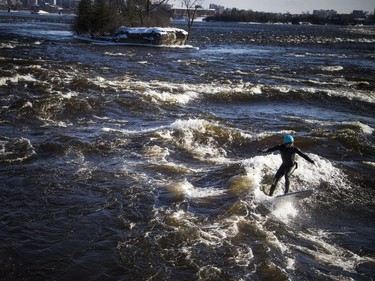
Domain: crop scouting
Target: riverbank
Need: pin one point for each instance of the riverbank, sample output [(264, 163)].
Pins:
[(26, 15)]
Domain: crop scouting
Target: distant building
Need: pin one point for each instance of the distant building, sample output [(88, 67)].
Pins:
[(359, 13), (219, 9), (13, 3), (200, 12), (359, 16), (34, 4), (29, 3), (324, 13)]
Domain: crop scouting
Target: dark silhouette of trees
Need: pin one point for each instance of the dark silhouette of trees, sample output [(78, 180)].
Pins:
[(83, 22), (103, 17), (145, 12), (247, 16), (235, 15)]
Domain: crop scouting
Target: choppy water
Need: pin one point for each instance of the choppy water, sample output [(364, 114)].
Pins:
[(126, 163)]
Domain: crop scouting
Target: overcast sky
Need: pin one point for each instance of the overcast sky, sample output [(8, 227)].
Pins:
[(295, 6)]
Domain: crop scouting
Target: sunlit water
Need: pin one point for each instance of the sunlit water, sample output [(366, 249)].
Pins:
[(137, 163)]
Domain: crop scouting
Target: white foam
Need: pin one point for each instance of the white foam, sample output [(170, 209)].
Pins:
[(187, 189), (6, 46), (349, 94), (332, 68), (116, 54), (203, 151), (330, 253), (167, 92), (169, 97), (271, 236), (208, 272), (195, 124), (285, 211), (213, 234), (69, 95), (27, 104), (369, 164), (16, 149), (35, 67), (290, 263), (131, 132), (266, 134), (16, 79), (217, 233), (366, 129), (207, 149), (338, 87), (258, 167), (243, 255), (157, 152)]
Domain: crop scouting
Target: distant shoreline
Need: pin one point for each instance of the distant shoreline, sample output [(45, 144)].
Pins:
[(24, 15)]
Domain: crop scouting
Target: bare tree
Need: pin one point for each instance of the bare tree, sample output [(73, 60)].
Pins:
[(153, 5), (191, 10), (143, 9)]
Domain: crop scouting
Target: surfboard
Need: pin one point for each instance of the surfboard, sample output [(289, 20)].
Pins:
[(293, 196), (272, 203)]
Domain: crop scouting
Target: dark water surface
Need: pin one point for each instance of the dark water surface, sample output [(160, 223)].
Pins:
[(128, 163)]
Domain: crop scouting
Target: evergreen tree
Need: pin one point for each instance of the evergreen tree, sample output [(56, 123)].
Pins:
[(83, 22)]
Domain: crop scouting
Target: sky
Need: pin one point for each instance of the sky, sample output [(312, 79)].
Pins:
[(295, 6)]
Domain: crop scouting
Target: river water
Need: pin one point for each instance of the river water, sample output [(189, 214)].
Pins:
[(138, 163)]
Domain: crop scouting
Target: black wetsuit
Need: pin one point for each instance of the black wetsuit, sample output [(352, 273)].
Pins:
[(288, 156)]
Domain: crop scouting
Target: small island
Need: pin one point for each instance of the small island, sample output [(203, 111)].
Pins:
[(144, 36), (129, 23)]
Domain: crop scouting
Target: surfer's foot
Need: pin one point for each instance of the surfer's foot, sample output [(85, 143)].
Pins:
[(272, 189)]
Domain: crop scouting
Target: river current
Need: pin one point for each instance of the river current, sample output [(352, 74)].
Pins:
[(139, 163)]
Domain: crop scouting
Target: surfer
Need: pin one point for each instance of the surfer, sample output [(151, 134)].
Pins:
[(288, 152)]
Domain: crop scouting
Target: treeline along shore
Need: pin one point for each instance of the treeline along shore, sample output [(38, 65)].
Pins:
[(235, 15)]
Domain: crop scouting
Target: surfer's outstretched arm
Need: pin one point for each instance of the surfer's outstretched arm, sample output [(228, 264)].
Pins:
[(304, 156), (271, 149)]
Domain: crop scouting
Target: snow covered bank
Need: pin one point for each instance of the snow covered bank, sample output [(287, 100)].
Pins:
[(147, 35)]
